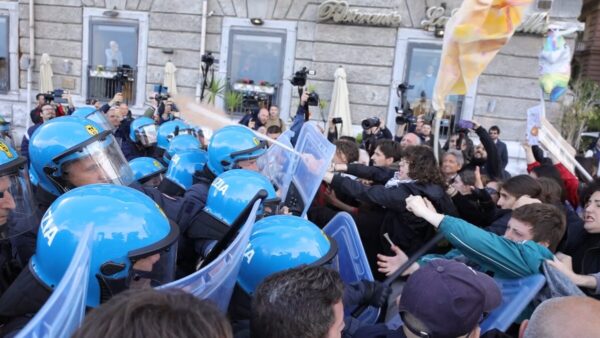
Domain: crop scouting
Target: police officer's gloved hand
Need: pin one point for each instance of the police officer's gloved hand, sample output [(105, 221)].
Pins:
[(367, 293), (376, 293)]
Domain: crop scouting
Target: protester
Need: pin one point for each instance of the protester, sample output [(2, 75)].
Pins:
[(494, 132), (581, 263), (48, 113), (386, 153), (274, 119), (417, 174), (148, 312), (533, 233)]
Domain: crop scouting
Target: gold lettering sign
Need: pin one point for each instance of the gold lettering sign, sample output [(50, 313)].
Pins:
[(340, 12)]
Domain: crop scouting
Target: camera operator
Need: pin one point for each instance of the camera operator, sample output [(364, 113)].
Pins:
[(373, 131), (115, 102), (43, 99), (166, 111), (260, 120)]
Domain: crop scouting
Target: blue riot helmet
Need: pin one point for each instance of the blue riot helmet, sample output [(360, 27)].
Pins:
[(181, 143), (133, 241), (143, 131), (18, 212), (232, 191), (147, 171), (283, 242), (91, 113), (5, 132), (232, 144), (180, 174), (68, 152), (168, 130)]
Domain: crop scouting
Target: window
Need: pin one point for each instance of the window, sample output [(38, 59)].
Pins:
[(423, 66), (257, 57), (113, 45), (260, 54), (417, 61), (113, 56), (4, 55)]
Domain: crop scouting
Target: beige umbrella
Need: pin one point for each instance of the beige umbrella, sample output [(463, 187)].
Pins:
[(170, 81), (46, 74), (340, 103)]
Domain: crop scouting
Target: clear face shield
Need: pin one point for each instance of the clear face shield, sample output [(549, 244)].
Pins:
[(147, 135), (100, 119), (18, 211), (185, 131), (98, 160)]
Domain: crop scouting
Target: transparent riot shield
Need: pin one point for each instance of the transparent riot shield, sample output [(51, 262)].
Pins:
[(316, 155), (278, 164), (63, 312), (217, 280), (353, 263)]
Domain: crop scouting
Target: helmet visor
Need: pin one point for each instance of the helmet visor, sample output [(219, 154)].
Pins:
[(100, 161), (155, 265), (182, 131), (100, 119), (18, 212), (147, 135)]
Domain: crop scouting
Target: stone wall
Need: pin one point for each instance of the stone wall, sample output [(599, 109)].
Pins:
[(366, 52)]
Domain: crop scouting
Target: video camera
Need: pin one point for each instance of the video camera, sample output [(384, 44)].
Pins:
[(299, 80), (370, 123), (56, 96), (208, 59), (404, 114), (162, 93)]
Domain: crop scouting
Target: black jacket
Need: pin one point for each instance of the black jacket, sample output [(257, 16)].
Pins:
[(379, 175), (503, 153), (405, 229), (492, 165)]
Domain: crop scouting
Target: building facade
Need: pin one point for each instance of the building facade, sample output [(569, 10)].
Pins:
[(102, 46)]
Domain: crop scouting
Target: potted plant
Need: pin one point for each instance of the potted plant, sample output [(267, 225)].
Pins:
[(215, 88), (233, 100)]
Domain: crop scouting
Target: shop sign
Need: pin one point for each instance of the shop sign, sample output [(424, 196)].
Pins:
[(340, 12)]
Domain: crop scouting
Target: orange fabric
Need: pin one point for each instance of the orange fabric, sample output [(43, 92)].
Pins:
[(474, 35)]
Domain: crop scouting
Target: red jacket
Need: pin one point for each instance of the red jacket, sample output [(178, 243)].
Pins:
[(571, 182)]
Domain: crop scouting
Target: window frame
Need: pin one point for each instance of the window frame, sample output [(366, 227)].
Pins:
[(289, 27), (11, 10), (406, 37), (95, 14)]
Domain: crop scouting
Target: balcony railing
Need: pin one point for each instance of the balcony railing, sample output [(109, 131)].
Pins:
[(103, 83)]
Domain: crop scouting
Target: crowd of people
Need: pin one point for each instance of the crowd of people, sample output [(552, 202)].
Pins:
[(162, 200)]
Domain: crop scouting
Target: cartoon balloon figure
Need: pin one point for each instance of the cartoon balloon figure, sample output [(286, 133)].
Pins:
[(555, 62)]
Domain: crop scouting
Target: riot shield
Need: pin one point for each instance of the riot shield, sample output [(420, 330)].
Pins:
[(63, 312), (317, 153), (217, 279), (278, 164), (353, 263)]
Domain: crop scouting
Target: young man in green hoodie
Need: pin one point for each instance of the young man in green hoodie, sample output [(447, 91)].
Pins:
[(532, 235)]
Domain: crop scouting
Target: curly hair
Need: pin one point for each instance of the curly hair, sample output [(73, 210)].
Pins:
[(422, 165)]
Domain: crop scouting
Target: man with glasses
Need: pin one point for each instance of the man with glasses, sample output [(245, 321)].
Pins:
[(47, 113)]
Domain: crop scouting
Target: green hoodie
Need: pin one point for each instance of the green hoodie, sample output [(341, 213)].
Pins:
[(505, 258)]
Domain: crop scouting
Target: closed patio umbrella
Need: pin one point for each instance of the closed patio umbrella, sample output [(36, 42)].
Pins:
[(170, 81), (340, 103), (46, 74)]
